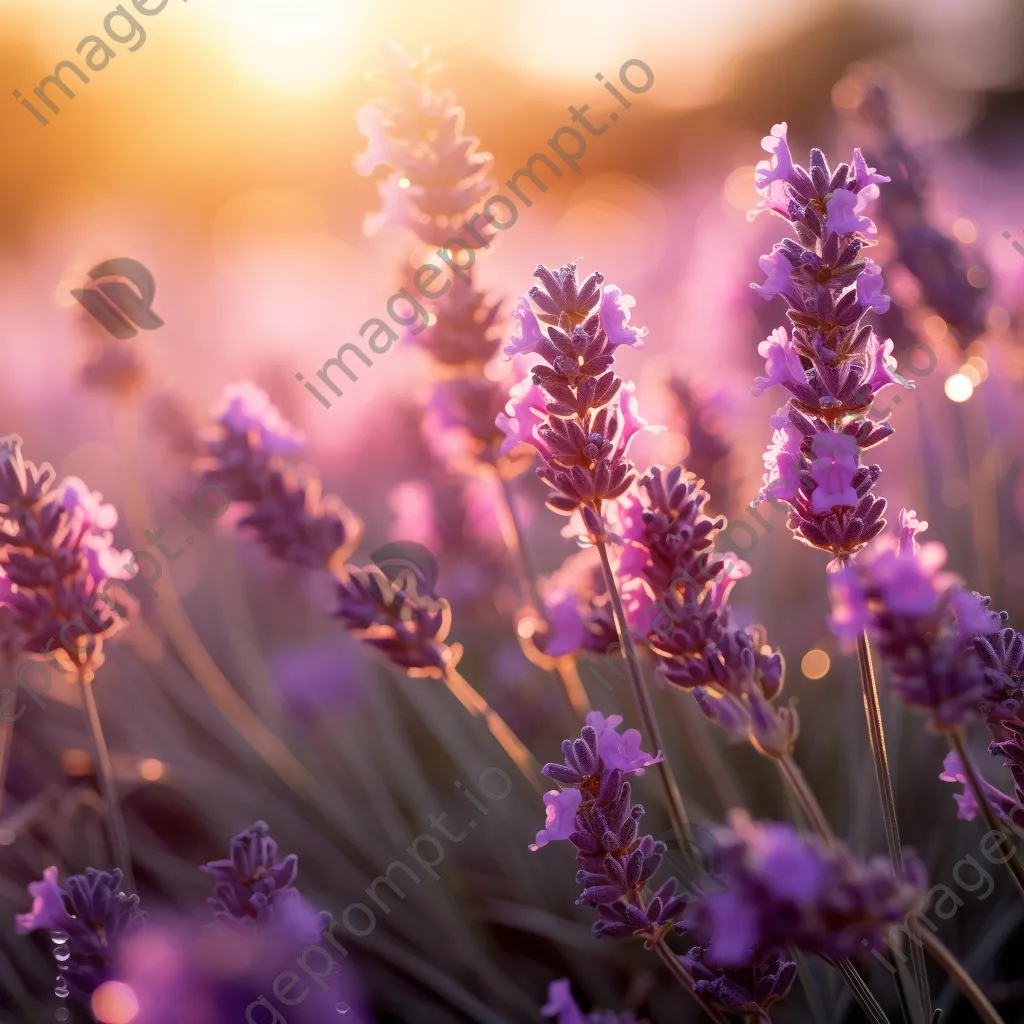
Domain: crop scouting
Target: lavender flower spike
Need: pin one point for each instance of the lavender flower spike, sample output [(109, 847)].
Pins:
[(588, 418), (615, 861), (832, 365), (94, 915), (564, 1009), (288, 514), (923, 620), (783, 888)]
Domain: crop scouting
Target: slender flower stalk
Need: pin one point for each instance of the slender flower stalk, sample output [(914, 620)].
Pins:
[(57, 563), (594, 811), (956, 971), (580, 416), (833, 367), (437, 177)]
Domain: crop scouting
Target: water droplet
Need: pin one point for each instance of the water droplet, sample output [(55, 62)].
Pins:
[(59, 938), (62, 1014), (61, 990), (342, 1008), (61, 954)]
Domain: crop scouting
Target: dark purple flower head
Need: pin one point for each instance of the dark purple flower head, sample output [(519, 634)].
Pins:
[(56, 561), (565, 1010), (596, 814), (1001, 656), (407, 623), (924, 621), (88, 917), (708, 447), (437, 176), (288, 512), (577, 608), (780, 888), (579, 415), (676, 588), (254, 886), (754, 988), (941, 265), (832, 365)]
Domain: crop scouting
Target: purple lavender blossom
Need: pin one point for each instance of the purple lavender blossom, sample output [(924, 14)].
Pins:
[(923, 620), (437, 176), (287, 512), (615, 861), (782, 888), (95, 916), (752, 989), (56, 562), (254, 888), (582, 434), (578, 610), (407, 628), (676, 590), (833, 366), (565, 1010)]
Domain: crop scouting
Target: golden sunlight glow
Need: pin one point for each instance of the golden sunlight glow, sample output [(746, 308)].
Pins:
[(299, 47), (114, 1003), (964, 231), (151, 769), (959, 387), (815, 664), (76, 762), (404, 183)]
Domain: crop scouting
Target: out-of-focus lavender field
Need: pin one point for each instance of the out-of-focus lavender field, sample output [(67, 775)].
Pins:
[(311, 657)]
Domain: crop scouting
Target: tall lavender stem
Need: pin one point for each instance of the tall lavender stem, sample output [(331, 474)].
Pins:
[(118, 834), (956, 741), (676, 810), (957, 972), (514, 538)]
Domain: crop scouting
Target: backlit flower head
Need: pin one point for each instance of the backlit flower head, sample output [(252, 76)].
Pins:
[(287, 511), (582, 432), (831, 364), (778, 887)]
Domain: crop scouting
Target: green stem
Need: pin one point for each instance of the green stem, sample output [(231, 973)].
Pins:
[(887, 798), (676, 810), (115, 819), (956, 971)]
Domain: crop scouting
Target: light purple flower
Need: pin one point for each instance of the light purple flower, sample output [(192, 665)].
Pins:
[(864, 175), (869, 289), (629, 413), (623, 752), (778, 270), (832, 469), (782, 363), (780, 166), (529, 338), (972, 617), (47, 911), (845, 208), (559, 817), (881, 365), (245, 408), (567, 632), (782, 465), (614, 312), (910, 527), (953, 771), (526, 408), (561, 1004), (394, 209)]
